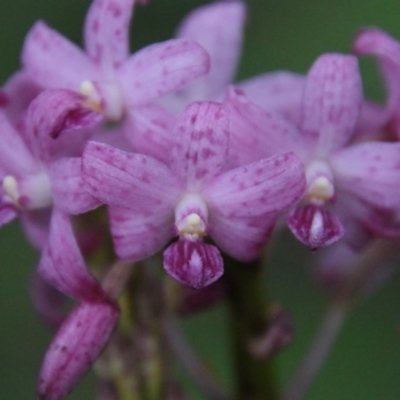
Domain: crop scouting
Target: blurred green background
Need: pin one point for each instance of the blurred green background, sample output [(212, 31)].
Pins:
[(365, 363)]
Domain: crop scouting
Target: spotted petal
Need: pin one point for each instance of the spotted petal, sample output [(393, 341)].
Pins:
[(149, 131), (256, 133), (76, 346), (200, 143), (139, 235), (280, 91), (266, 186), (332, 101), (54, 62), (160, 69), (68, 187), (107, 33), (128, 180)]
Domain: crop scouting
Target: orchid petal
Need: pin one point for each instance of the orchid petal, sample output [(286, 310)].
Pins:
[(332, 101), (221, 40), (256, 133), (280, 91), (62, 264), (19, 90), (76, 346), (47, 301), (107, 33), (139, 235), (200, 143), (383, 222), (373, 41), (370, 171), (15, 158), (68, 187), (66, 114), (7, 213), (373, 117), (243, 238), (266, 186), (314, 226), (128, 180), (193, 263), (36, 226), (54, 62), (160, 69), (149, 131)]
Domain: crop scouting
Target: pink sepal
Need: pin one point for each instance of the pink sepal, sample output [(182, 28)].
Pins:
[(7, 213), (223, 43), (332, 101), (280, 91), (106, 33), (47, 301), (68, 188), (76, 346), (200, 144), (314, 226), (160, 69), (256, 133), (137, 235), (52, 61), (62, 263), (193, 263), (266, 186), (149, 131), (127, 180), (18, 91)]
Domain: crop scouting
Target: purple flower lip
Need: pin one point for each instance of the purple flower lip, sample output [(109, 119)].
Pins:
[(193, 263), (314, 226)]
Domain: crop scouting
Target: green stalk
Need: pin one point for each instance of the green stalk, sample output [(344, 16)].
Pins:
[(248, 304)]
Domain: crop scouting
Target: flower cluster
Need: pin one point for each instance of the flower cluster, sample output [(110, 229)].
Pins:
[(184, 160)]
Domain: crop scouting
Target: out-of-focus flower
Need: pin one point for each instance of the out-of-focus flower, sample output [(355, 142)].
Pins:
[(115, 84), (223, 42), (37, 171), (87, 329), (193, 197), (375, 118), (340, 176), (76, 346)]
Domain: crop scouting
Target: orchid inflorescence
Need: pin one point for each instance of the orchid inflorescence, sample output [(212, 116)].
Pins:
[(185, 161)]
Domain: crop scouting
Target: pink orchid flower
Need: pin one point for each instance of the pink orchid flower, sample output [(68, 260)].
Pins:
[(342, 178), (118, 85), (192, 197)]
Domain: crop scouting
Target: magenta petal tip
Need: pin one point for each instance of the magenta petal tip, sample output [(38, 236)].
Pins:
[(193, 263), (74, 349), (314, 226)]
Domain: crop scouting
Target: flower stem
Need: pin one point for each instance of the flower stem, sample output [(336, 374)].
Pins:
[(248, 306)]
